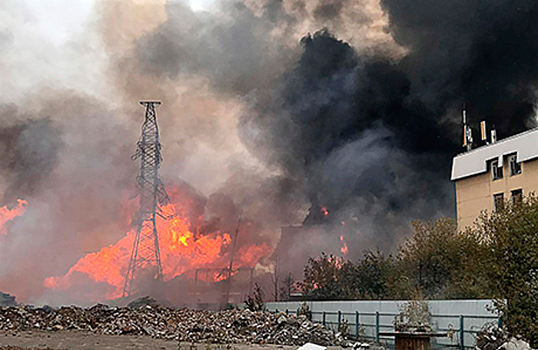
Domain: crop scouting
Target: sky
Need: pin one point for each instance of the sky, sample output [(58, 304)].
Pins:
[(57, 20), (54, 27)]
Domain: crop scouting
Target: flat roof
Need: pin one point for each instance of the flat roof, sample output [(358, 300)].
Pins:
[(474, 162)]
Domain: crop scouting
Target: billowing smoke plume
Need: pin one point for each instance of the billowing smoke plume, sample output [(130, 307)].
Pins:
[(28, 153), (477, 52), (341, 114)]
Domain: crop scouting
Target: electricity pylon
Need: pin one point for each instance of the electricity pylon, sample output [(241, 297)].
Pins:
[(152, 196)]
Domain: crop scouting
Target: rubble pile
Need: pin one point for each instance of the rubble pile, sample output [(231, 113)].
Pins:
[(233, 326), (7, 300), (492, 337)]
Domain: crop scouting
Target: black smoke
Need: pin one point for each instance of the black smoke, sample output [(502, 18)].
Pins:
[(28, 153), (372, 137), (365, 150), (479, 52), (368, 134)]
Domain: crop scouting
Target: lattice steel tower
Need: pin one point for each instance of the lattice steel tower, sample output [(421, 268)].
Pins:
[(152, 196)]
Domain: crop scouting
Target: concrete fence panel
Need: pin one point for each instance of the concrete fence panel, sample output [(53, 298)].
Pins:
[(461, 318)]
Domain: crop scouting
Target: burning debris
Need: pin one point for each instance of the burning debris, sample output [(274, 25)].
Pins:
[(232, 326), (164, 244), (186, 246), (181, 252)]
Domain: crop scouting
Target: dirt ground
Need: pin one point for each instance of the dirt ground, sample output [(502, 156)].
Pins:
[(73, 340)]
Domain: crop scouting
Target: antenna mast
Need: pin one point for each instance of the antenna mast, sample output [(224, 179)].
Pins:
[(152, 196), (467, 132)]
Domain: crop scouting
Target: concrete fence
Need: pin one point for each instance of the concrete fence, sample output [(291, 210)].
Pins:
[(462, 319)]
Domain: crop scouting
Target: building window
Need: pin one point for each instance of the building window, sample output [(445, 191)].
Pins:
[(496, 170), (517, 196), (498, 202), (515, 167)]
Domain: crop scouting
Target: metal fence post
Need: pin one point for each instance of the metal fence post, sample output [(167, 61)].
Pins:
[(357, 324), (462, 333), (339, 318), (323, 318), (377, 326)]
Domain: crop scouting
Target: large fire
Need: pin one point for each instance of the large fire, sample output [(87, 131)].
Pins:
[(7, 214), (181, 252)]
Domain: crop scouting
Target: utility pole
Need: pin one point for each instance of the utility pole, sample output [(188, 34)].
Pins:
[(152, 196), (230, 268), (274, 279)]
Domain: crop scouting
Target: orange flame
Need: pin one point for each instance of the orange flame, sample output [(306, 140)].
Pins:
[(180, 252), (344, 248), (10, 214)]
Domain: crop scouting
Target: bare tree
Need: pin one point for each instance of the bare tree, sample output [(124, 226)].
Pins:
[(274, 280), (287, 288)]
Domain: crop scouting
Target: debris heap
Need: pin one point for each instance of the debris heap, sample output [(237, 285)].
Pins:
[(492, 337), (233, 326), (7, 300)]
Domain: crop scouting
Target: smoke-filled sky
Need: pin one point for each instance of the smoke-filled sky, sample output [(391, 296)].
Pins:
[(284, 107)]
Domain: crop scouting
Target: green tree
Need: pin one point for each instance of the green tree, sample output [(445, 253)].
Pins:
[(438, 262), (510, 238), (496, 258), (327, 278), (371, 275)]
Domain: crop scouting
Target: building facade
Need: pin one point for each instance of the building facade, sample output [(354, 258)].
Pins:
[(488, 176)]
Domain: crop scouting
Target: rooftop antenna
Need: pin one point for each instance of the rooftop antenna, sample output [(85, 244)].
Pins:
[(152, 195), (467, 132), (483, 132)]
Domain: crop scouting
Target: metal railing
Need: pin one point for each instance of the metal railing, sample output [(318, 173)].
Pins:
[(360, 327)]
